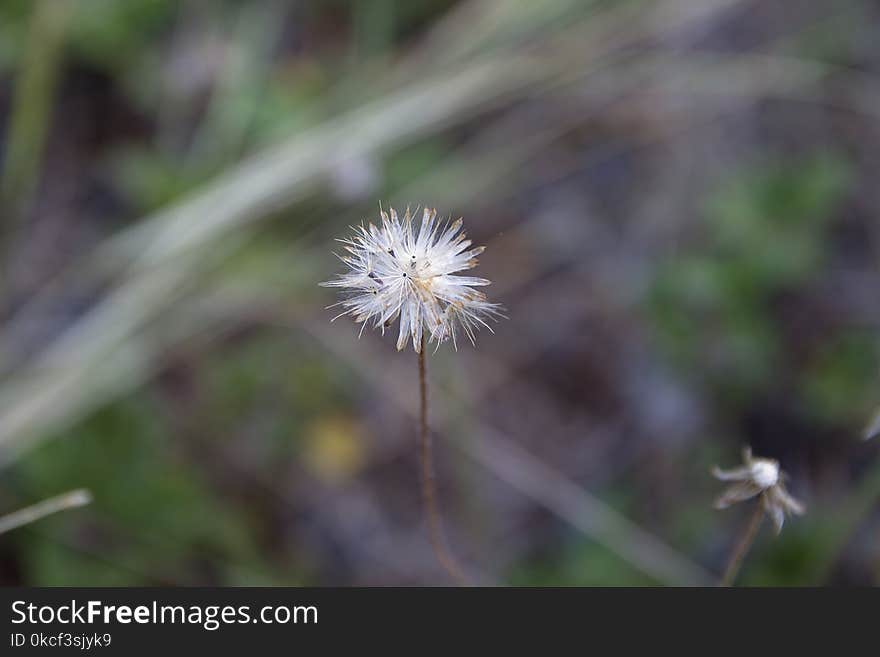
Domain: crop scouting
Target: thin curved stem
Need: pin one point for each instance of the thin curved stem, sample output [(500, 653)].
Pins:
[(734, 563), (429, 492)]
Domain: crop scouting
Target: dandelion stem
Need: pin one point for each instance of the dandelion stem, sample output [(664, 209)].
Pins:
[(429, 492), (734, 563)]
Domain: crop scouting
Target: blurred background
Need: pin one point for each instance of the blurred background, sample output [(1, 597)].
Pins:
[(679, 200)]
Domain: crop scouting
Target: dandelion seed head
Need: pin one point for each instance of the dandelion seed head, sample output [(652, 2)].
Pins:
[(398, 272), (758, 477)]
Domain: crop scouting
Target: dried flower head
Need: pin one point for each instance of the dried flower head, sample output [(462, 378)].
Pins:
[(395, 271), (762, 477)]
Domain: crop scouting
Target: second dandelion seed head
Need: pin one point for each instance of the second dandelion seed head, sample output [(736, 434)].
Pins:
[(758, 476), (396, 271)]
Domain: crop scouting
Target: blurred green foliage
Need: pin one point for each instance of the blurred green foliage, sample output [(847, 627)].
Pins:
[(578, 563), (106, 33), (163, 521), (159, 507), (765, 232), (838, 386)]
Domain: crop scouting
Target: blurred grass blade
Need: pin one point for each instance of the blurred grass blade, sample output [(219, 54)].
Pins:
[(541, 483), (585, 512), (70, 500), (32, 105)]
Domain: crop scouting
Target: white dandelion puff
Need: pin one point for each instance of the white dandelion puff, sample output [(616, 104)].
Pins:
[(398, 272), (758, 476)]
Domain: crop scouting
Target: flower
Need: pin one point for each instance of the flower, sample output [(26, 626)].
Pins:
[(758, 477), (396, 272)]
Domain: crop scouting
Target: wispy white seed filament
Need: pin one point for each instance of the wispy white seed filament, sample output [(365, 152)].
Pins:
[(396, 272)]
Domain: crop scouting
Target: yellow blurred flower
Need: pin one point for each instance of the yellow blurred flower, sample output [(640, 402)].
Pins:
[(334, 448)]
